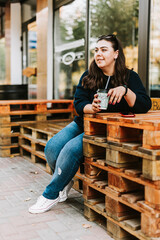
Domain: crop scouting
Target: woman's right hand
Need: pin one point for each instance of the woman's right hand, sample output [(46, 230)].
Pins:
[(95, 104)]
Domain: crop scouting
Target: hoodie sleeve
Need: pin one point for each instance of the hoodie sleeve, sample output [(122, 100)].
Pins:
[(143, 101), (82, 96)]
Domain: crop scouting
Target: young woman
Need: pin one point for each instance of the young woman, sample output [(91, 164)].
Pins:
[(64, 152)]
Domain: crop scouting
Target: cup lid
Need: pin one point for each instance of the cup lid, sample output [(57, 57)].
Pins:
[(102, 90)]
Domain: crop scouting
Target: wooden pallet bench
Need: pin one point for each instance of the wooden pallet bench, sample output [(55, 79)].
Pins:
[(15, 113), (155, 103), (122, 176), (33, 139), (25, 107)]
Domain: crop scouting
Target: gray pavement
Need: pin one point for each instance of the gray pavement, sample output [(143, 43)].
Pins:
[(21, 182)]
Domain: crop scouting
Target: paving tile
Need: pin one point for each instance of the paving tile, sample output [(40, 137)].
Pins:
[(19, 188), (57, 226), (46, 234)]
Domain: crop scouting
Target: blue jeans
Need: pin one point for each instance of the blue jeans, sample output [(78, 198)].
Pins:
[(64, 154)]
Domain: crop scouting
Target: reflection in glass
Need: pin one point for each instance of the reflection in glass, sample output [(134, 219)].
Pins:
[(119, 17), (69, 48), (32, 58), (2, 61), (154, 64)]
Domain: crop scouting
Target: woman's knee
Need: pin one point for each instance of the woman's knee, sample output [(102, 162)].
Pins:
[(74, 153), (50, 153)]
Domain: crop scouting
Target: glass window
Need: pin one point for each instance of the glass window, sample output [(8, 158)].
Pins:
[(69, 60), (121, 18), (32, 58), (2, 61), (154, 60)]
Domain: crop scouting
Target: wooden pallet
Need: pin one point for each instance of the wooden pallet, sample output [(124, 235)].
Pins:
[(117, 196), (15, 113), (33, 138), (32, 141), (27, 107), (122, 178), (155, 103), (144, 128), (9, 150)]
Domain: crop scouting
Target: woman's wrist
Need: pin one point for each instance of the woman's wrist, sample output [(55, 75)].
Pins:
[(126, 90), (130, 98)]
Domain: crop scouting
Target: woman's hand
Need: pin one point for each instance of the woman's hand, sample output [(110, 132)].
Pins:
[(95, 104), (116, 94), (94, 107)]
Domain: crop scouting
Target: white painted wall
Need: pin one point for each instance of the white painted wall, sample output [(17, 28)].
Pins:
[(26, 12), (16, 56), (50, 51)]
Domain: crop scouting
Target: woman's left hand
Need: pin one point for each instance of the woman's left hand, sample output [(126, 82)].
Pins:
[(116, 94)]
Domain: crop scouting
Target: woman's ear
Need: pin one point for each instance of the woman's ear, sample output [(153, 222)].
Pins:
[(116, 54)]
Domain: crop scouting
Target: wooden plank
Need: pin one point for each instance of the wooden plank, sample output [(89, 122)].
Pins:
[(5, 141), (120, 172), (95, 201), (90, 214), (152, 155), (119, 157), (100, 138), (4, 120), (151, 169), (140, 121), (101, 207), (90, 150), (101, 184), (123, 134), (134, 224), (133, 197), (131, 146), (101, 162), (136, 233), (148, 209), (5, 130), (34, 101), (121, 165), (117, 210), (116, 231), (151, 139), (133, 172), (92, 128), (90, 193), (121, 184), (152, 196), (112, 192), (90, 170), (150, 226), (78, 184)]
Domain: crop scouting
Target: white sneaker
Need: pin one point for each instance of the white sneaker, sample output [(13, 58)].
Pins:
[(43, 204), (63, 195)]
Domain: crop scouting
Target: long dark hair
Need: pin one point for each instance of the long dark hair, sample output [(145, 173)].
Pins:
[(94, 79)]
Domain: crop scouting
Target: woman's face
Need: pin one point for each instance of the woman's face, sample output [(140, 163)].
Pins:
[(105, 56)]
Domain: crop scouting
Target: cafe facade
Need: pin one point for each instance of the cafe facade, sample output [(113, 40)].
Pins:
[(55, 39)]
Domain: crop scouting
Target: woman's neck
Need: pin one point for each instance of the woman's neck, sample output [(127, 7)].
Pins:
[(108, 72)]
